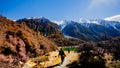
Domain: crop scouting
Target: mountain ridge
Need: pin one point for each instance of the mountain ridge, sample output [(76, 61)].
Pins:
[(50, 30), (101, 29), (87, 30)]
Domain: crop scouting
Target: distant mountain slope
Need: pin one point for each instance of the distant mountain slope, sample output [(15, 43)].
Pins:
[(76, 30), (91, 30), (87, 30), (42, 25), (50, 30)]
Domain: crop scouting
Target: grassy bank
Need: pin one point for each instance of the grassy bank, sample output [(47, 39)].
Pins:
[(70, 48)]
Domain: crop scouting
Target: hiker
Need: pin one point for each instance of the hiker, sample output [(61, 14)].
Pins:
[(62, 54), (68, 50)]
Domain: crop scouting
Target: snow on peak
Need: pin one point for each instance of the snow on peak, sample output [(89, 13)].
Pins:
[(88, 21), (95, 22), (32, 18), (62, 23), (113, 18), (83, 20), (58, 22), (41, 17)]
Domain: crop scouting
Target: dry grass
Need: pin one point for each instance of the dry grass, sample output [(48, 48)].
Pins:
[(35, 44)]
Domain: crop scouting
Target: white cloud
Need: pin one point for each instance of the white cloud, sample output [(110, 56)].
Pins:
[(113, 18), (101, 3), (97, 9)]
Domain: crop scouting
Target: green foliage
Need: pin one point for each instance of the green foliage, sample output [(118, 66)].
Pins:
[(70, 48)]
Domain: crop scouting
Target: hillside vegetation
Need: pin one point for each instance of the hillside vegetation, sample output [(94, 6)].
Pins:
[(18, 43)]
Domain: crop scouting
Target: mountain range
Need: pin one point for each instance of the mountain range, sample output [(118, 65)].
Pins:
[(86, 30), (50, 30), (31, 37), (91, 30)]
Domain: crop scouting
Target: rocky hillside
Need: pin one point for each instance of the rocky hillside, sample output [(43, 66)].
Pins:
[(50, 30), (41, 25), (18, 43)]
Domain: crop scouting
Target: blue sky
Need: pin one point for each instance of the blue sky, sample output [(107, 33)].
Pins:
[(60, 9)]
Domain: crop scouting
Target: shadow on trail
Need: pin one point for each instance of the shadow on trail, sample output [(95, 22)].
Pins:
[(54, 65)]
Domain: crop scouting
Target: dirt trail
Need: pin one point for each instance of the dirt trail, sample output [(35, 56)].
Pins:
[(69, 59), (54, 60)]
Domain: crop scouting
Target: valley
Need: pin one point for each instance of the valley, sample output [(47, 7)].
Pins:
[(59, 33), (35, 43)]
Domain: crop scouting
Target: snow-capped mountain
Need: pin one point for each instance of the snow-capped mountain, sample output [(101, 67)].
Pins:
[(106, 23), (113, 18), (88, 21), (63, 23), (90, 30), (58, 22), (110, 24)]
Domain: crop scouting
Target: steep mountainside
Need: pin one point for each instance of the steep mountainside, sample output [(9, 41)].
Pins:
[(87, 30), (91, 30), (76, 30), (19, 43), (42, 25), (50, 30)]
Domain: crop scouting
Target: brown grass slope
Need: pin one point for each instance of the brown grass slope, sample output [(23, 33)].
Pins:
[(19, 42)]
